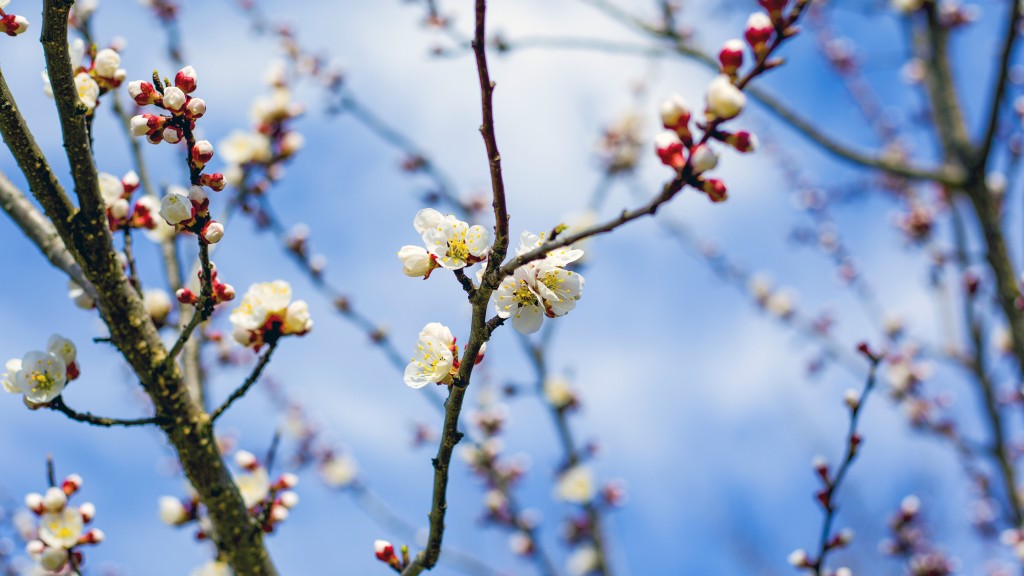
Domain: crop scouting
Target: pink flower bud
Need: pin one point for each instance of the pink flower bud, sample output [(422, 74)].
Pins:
[(186, 296), (774, 7), (93, 536), (759, 30), (13, 24), (88, 511), (731, 56), (119, 209), (384, 550), (715, 189), (670, 149), (55, 500), (212, 232), (213, 181), (289, 499), (139, 125), (172, 134), (724, 100), (106, 63), (143, 93), (225, 292), (174, 99), (34, 502), (287, 480), (196, 107), (185, 79), (702, 159), (202, 152), (246, 459), (742, 141), (278, 514), (198, 197), (675, 114)]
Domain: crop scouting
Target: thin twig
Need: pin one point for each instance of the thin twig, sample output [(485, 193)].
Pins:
[(58, 405), (241, 390)]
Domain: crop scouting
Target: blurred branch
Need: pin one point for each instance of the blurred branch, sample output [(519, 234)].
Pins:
[(826, 497), (950, 175), (1002, 80), (247, 384), (41, 232)]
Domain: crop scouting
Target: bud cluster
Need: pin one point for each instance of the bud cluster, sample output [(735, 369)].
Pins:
[(256, 158), (62, 527), (101, 75), (222, 292), (184, 210), (42, 375)]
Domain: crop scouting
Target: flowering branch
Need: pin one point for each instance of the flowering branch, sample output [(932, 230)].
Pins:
[(58, 405), (826, 497), (249, 382), (487, 131), (951, 175)]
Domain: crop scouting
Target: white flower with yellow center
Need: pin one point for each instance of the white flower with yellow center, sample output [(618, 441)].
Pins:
[(557, 287), (88, 90), (434, 359), (244, 147), (62, 348), (42, 377), (517, 298), (576, 485), (61, 529), (253, 486), (453, 242), (266, 308)]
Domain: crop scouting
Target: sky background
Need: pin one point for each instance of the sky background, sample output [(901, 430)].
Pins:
[(700, 402)]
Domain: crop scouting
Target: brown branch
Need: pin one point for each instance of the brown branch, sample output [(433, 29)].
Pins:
[(58, 405), (1002, 79), (500, 246), (249, 382), (832, 485), (203, 308), (37, 228)]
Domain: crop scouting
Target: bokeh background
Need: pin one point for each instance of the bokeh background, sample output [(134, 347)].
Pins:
[(699, 400)]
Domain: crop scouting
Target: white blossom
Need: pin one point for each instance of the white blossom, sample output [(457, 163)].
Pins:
[(172, 511), (433, 360), (416, 261), (517, 298), (267, 307), (583, 561), (174, 98), (339, 471), (175, 207), (7, 379), (42, 377), (253, 486), (724, 99), (244, 147), (558, 393), (453, 242), (61, 529), (576, 485), (107, 62), (88, 90), (62, 348), (157, 303)]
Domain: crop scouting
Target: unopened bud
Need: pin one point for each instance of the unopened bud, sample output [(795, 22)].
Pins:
[(185, 79), (55, 500), (196, 107), (212, 232), (731, 56), (202, 152), (174, 99)]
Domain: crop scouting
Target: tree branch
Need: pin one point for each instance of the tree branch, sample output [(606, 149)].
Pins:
[(1002, 79), (58, 405), (249, 382), (41, 232)]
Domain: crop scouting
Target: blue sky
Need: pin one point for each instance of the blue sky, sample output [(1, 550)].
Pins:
[(699, 402)]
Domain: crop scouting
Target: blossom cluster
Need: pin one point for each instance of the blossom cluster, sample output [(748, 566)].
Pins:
[(62, 527), (42, 375), (449, 243), (540, 288), (267, 501), (724, 100), (121, 214), (267, 313), (104, 73), (11, 24), (436, 358), (272, 141)]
